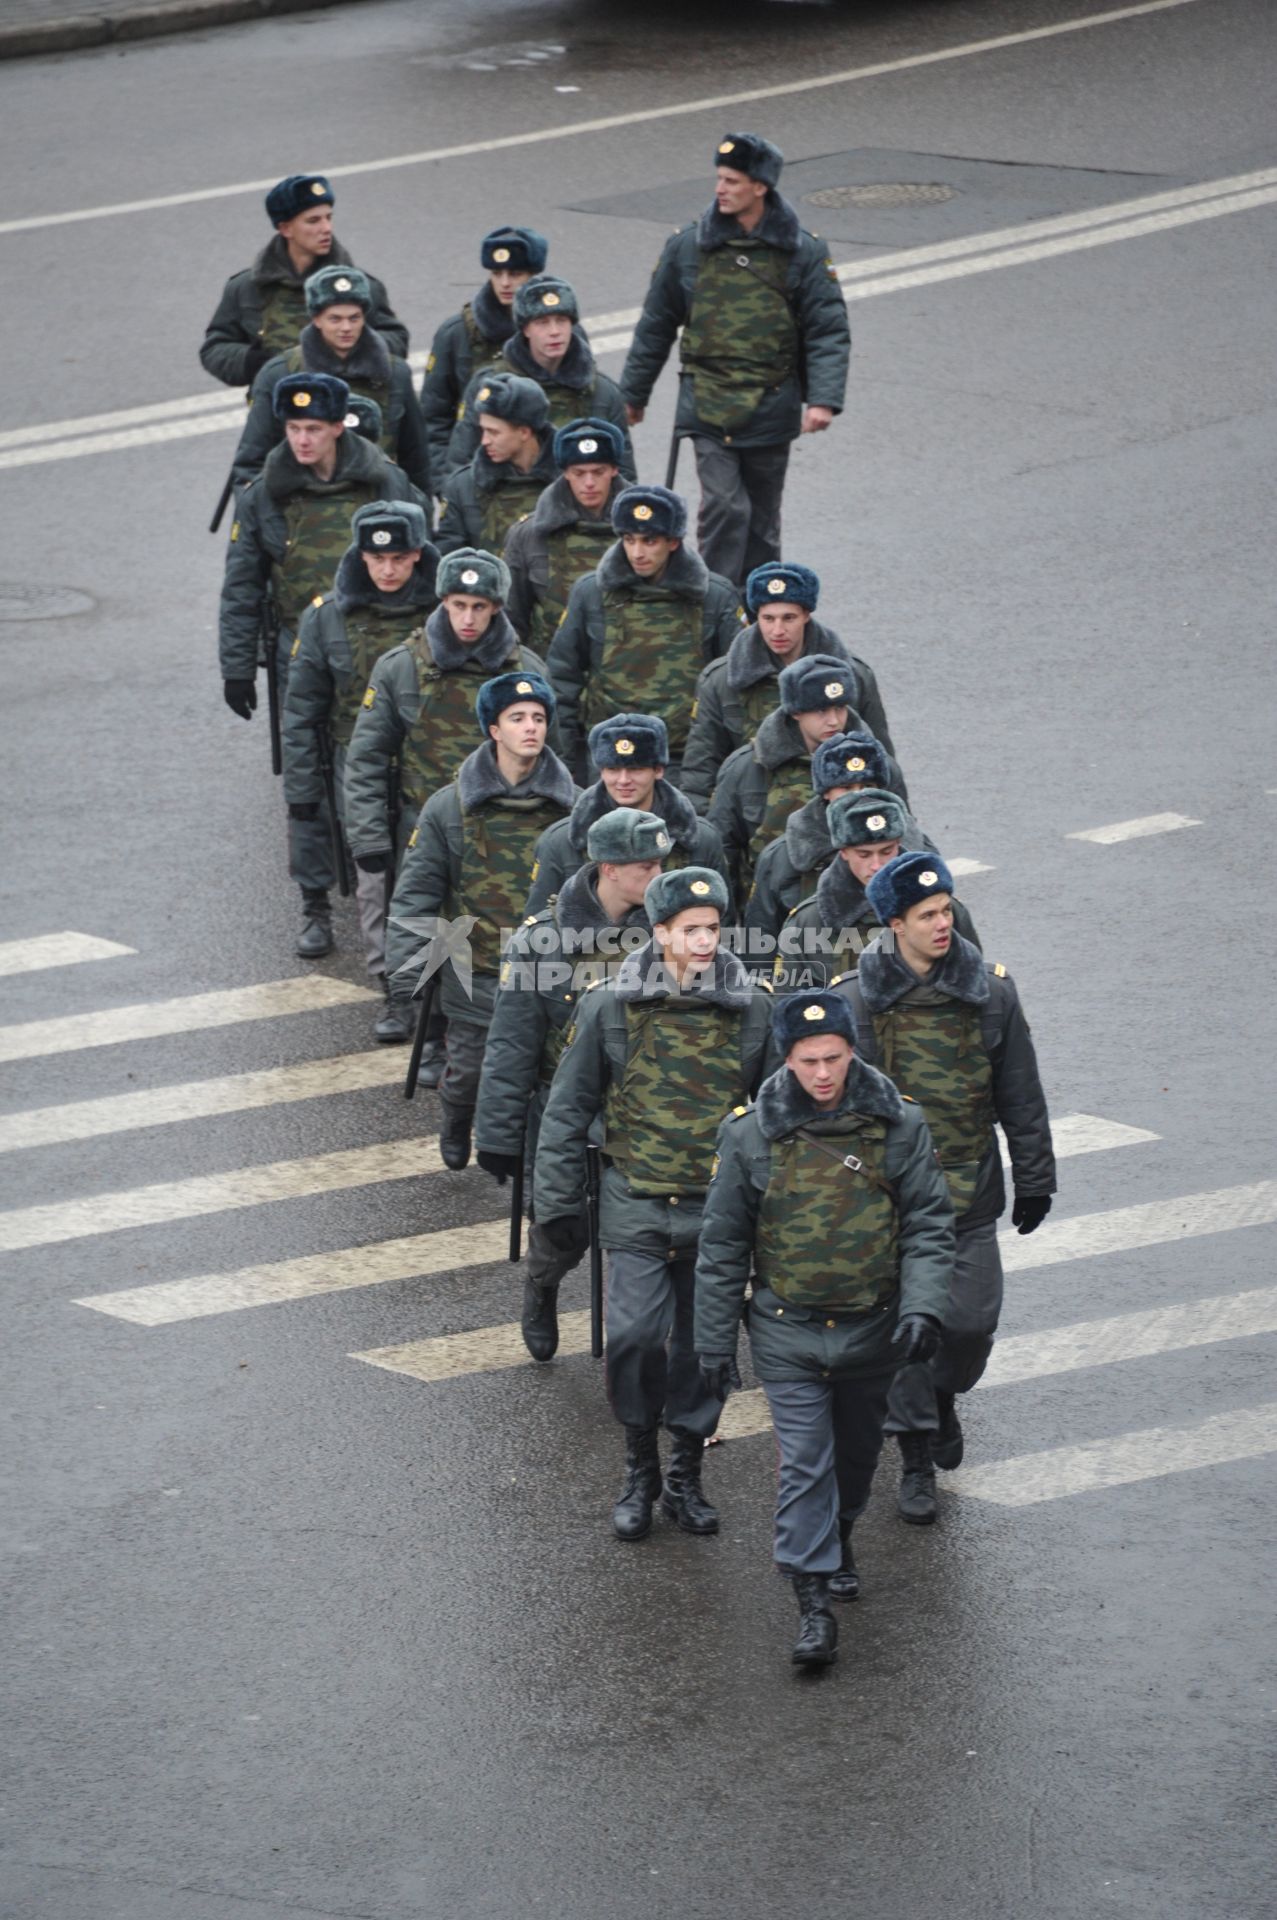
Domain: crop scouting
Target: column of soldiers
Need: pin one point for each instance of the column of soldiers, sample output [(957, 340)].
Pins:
[(630, 845)]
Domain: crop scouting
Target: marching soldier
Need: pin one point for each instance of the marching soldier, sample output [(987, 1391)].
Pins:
[(630, 751), (292, 529), (764, 352), (263, 309), (651, 615), (418, 713), (828, 1191), (867, 828), (549, 347), (948, 1027), (567, 531), (509, 471), (476, 335), (762, 783), (596, 918), (384, 589), (658, 1055), (469, 857), (338, 340), (735, 694)]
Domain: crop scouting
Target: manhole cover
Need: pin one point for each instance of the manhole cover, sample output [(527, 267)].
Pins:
[(41, 603), (883, 193)]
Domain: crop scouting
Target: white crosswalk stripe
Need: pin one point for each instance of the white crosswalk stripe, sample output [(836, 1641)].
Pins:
[(56, 950), (306, 993), (1121, 1461), (1141, 829)]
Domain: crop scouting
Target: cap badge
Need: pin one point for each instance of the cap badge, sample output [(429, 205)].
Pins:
[(550, 300), (341, 286), (699, 887), (856, 766), (928, 879), (727, 146), (524, 686), (642, 513), (501, 255), (813, 1013), (301, 399), (485, 393), (625, 747), (587, 446), (875, 823), (833, 690), (469, 578), (381, 538), (351, 420), (775, 586), (317, 186), (663, 841)]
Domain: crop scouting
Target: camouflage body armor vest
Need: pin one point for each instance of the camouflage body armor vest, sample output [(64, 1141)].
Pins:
[(481, 348), (682, 1077), (741, 338), (565, 1006), (653, 642), (318, 522), (283, 315), (789, 786), (828, 1231), (571, 553), (443, 734), (377, 390), (497, 841), (756, 703), (504, 507), (368, 636), (931, 1046)]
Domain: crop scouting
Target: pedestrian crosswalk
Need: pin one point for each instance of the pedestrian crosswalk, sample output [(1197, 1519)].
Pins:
[(56, 950), (307, 993)]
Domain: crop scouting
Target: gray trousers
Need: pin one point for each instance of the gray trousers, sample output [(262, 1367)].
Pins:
[(829, 1433), (648, 1305), (971, 1316), (370, 897), (459, 1088), (310, 847), (738, 527)]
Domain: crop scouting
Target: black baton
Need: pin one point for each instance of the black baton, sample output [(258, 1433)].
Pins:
[(592, 1183)]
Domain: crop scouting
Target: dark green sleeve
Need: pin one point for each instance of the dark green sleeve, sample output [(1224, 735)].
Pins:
[(511, 1056), (724, 617), (262, 430), (927, 1240), (225, 347), (307, 706), (725, 1251), (568, 665), (411, 450), (708, 743), (423, 883), (378, 735), (245, 584), (826, 333), (385, 319), (576, 1098), (442, 384), (664, 312)]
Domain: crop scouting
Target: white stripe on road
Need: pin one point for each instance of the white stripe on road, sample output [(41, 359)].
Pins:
[(1121, 1461), (1075, 1133), (486, 1350), (1142, 829), (198, 1099), (709, 104), (306, 993), (215, 1193), (305, 1278), (120, 442), (218, 402), (962, 868), (56, 950)]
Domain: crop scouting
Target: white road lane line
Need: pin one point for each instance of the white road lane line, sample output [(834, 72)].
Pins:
[(962, 868), (1122, 1461), (56, 950), (169, 1200), (1142, 829), (198, 1099), (487, 1350), (220, 402), (307, 993), (712, 103), (172, 1300), (1076, 1133)]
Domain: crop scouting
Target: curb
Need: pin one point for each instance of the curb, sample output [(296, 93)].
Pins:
[(79, 30)]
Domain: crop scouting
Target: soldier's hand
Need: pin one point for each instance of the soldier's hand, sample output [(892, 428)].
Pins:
[(720, 1373), (240, 696), (373, 862), (921, 1336), (563, 1234), (303, 809), (502, 1166), (1030, 1210), (816, 419), (634, 415)]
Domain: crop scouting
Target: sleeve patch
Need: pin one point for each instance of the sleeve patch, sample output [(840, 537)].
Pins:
[(296, 647), (412, 838), (234, 529), (430, 363), (999, 971), (370, 696)]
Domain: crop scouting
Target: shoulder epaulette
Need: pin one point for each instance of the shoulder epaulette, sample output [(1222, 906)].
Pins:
[(739, 1112), (907, 1096), (838, 977), (999, 971), (531, 920), (594, 983), (318, 600), (766, 986)]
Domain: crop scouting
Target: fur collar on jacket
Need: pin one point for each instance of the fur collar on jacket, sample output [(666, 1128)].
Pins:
[(685, 578), (807, 835), (779, 227), (353, 586), (884, 978), (479, 780), (558, 508), (642, 976), (495, 322), (840, 898), (274, 266), (782, 1106), (578, 908), (750, 659), (358, 463), (368, 359), (675, 809), (779, 740), (575, 369), (489, 652), (490, 474)]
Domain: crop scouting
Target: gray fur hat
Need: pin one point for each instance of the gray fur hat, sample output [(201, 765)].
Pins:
[(904, 881), (681, 888), (512, 397), (865, 819), (630, 740), (470, 570), (818, 680), (627, 834)]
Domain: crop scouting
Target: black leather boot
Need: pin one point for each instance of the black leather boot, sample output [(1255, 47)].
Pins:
[(916, 1500), (397, 1019), (316, 937), (454, 1138), (683, 1498), (433, 1062), (845, 1584), (817, 1642), (632, 1514), (946, 1446), (540, 1320)]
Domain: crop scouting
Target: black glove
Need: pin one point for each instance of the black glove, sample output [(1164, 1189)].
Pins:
[(720, 1373), (921, 1335), (303, 809), (372, 862), (240, 696), (255, 359), (1030, 1210), (563, 1234), (502, 1166)]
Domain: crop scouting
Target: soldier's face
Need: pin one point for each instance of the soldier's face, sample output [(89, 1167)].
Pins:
[(590, 483), (631, 879), (648, 553), (548, 336), (501, 439), (821, 1066), (690, 939), (925, 934), (735, 193), (782, 626), (390, 571), (631, 786), (505, 283), (469, 615), (310, 231), (521, 729), (865, 861), (821, 724), (312, 442), (835, 793), (340, 326)]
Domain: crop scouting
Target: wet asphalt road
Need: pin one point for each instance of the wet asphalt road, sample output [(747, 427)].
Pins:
[(287, 1632)]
